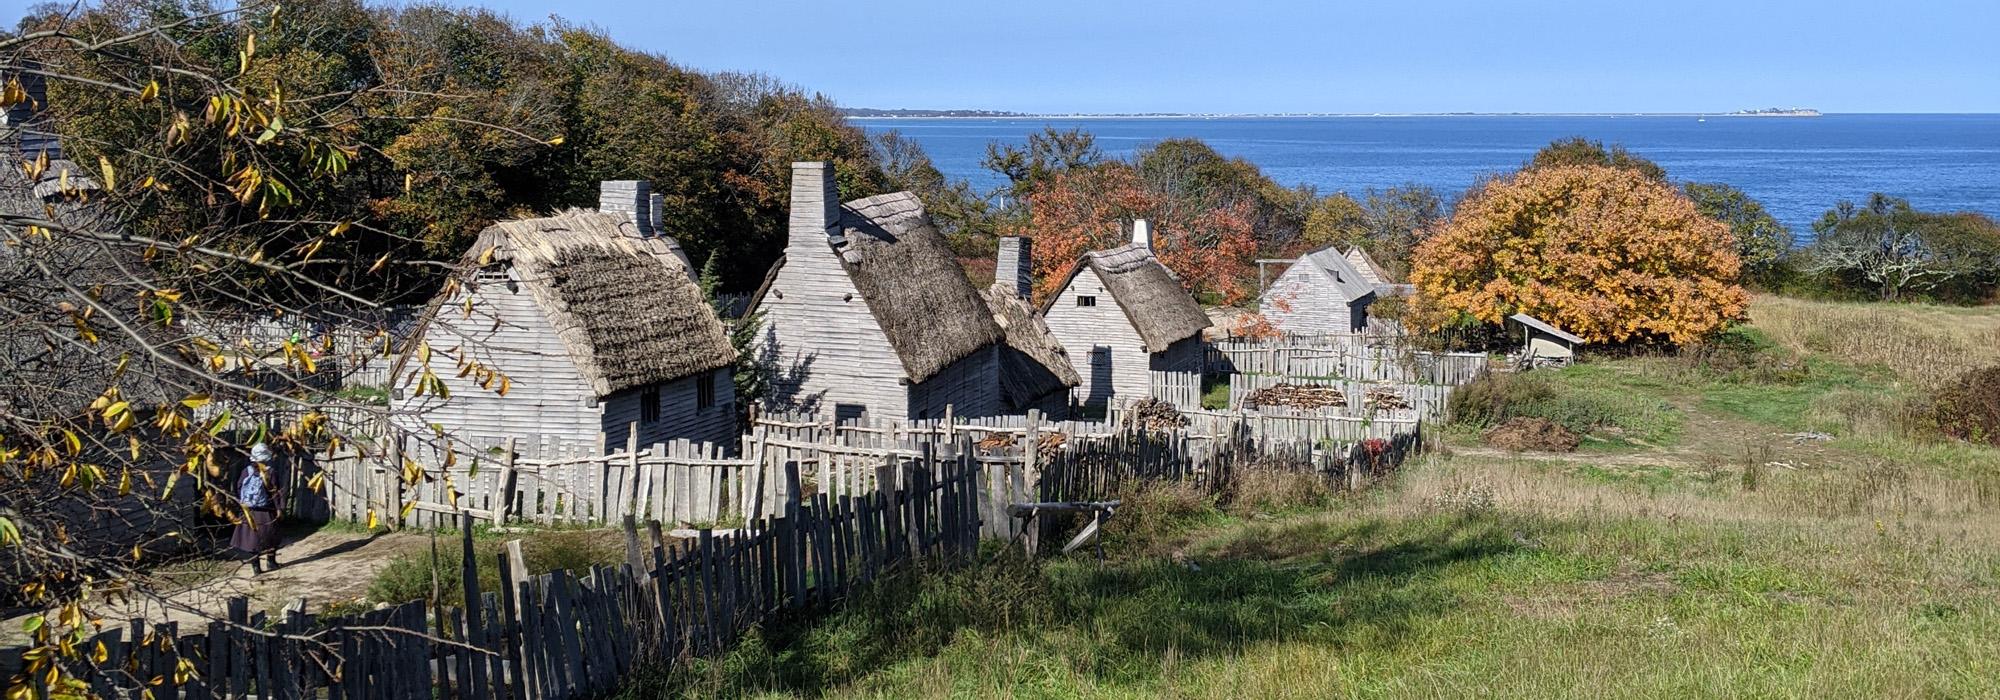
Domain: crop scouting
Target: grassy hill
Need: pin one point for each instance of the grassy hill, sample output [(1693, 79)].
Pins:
[(1694, 545)]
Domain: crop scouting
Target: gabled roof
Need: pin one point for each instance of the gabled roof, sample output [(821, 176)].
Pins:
[(913, 284), (1035, 363), (626, 306), (1329, 261), (1366, 266), (1544, 327), (1153, 300)]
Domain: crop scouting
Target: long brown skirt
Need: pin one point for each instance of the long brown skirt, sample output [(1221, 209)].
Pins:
[(258, 534)]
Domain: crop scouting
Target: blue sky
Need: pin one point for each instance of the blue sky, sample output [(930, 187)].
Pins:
[(1298, 55)]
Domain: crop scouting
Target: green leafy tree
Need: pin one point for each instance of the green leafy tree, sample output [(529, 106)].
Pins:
[(1898, 250), (1577, 150), (1761, 241)]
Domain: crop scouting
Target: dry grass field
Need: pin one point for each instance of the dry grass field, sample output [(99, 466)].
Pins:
[(1696, 545)]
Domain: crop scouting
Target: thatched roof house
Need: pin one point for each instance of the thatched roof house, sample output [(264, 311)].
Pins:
[(597, 326), (1324, 293), (1123, 316), (869, 314)]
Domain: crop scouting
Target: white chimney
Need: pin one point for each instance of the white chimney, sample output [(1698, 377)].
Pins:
[(631, 199), (657, 205), (1014, 265), (1142, 234), (815, 205)]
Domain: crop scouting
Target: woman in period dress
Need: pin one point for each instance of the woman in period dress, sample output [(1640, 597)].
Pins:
[(256, 535)]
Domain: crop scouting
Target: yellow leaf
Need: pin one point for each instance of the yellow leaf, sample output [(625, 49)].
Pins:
[(151, 92), (123, 423), (196, 401), (137, 553), (110, 174), (340, 228), (505, 384), (317, 483), (556, 140), (99, 654), (379, 262), (117, 409), (407, 507), (371, 519)]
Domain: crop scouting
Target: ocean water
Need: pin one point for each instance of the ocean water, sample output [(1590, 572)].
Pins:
[(1798, 167)]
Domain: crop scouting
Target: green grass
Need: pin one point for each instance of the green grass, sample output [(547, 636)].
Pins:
[(1368, 601)]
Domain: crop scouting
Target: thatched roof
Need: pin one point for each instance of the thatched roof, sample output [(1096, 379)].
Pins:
[(1329, 261), (1160, 310), (1034, 363), (626, 306), (913, 284)]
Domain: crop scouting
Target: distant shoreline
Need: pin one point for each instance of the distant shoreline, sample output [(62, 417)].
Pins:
[(1780, 115)]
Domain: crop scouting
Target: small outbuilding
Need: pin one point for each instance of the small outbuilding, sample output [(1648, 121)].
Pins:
[(1543, 343), (1122, 316), (571, 329)]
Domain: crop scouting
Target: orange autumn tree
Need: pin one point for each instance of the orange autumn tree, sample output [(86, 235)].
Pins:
[(1079, 210), (1605, 253)]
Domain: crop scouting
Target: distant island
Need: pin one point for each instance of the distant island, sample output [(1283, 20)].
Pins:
[(1777, 112)]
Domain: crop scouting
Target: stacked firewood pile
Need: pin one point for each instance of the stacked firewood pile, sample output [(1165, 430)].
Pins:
[(1153, 414), (994, 442), (1305, 396), (1383, 398), (1051, 445)]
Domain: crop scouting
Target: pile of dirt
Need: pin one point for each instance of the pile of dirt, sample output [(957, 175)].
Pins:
[(1530, 435), (1154, 415), (1297, 396), (1384, 398)]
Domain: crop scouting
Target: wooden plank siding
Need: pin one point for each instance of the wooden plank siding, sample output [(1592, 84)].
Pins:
[(824, 347), (1303, 301), (1105, 349), (509, 333), (680, 417)]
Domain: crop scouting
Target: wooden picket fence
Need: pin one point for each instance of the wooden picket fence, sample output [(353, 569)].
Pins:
[(1344, 361), (554, 636), (1182, 389), (1426, 400)]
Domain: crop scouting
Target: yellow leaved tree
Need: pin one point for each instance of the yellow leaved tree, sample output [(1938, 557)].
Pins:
[(1608, 254)]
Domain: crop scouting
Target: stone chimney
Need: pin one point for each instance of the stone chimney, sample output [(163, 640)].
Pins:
[(657, 206), (1142, 233), (632, 199), (1014, 266), (815, 205)]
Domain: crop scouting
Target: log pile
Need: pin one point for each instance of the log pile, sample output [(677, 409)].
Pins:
[(1383, 398), (1304, 396), (1153, 415)]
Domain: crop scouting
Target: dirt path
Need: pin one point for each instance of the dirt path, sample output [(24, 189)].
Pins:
[(321, 567)]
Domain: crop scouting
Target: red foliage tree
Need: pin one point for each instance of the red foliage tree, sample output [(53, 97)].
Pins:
[(1213, 250)]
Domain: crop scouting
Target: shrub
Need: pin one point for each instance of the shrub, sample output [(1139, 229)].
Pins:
[(1526, 434), (409, 576), (1967, 408), (1578, 406), (1268, 488)]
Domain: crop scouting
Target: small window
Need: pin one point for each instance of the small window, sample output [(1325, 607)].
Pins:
[(1086, 301), (704, 391), (649, 405)]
